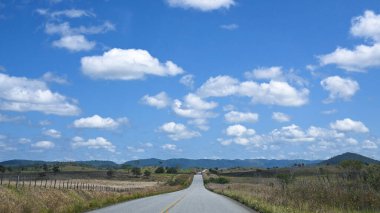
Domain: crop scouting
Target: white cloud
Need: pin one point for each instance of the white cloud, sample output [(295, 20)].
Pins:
[(178, 131), (338, 87), (229, 26), (43, 145), (64, 29), (367, 144), (194, 107), (99, 122), (202, 4), (352, 141), (73, 39), (52, 133), (219, 86), (265, 73), (168, 146), (348, 125), (6, 118), (272, 93), (127, 64), (95, 143), (239, 117), (70, 13), (23, 94), (74, 43), (200, 123), (161, 100), (280, 117), (366, 26), (187, 80), (239, 131), (362, 57), (292, 133), (51, 77)]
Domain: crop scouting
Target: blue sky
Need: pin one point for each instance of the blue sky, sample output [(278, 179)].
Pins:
[(122, 80)]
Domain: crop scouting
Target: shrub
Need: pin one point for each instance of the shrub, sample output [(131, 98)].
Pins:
[(172, 170), (219, 180), (136, 171), (285, 179), (110, 173), (160, 170), (147, 173)]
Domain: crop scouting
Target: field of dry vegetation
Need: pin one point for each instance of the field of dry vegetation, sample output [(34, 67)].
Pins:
[(99, 192), (334, 189)]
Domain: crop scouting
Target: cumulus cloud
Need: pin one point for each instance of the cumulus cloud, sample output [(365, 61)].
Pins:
[(134, 149), (24, 140), (272, 93), (127, 64), (99, 122), (95, 143), (240, 117), (292, 133), (239, 131), (280, 117), (43, 145), (52, 133), (178, 131), (219, 86), (265, 73), (361, 57), (74, 43), (171, 147), (194, 106), (201, 4), (367, 144), (187, 80), (161, 100), (73, 39), (338, 87), (23, 94), (349, 125)]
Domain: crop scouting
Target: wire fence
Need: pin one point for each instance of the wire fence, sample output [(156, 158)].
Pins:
[(21, 181)]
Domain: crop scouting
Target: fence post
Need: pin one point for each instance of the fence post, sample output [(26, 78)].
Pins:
[(23, 181), (55, 181), (18, 178), (1, 182), (30, 182)]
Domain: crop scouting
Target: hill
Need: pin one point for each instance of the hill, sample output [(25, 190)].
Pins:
[(220, 163), (349, 156)]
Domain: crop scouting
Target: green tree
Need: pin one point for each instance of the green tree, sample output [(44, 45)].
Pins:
[(136, 171), (147, 173), (2, 169), (160, 170), (172, 170), (56, 168)]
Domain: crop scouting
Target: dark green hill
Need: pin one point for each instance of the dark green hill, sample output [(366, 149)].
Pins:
[(349, 156)]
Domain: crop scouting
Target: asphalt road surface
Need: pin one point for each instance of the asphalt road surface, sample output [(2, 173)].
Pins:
[(195, 199)]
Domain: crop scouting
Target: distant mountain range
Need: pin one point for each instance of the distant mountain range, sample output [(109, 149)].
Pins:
[(349, 156), (200, 163)]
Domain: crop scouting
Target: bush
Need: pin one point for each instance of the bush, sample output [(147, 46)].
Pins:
[(110, 173), (147, 173), (160, 170), (172, 170), (285, 179), (219, 180), (136, 171)]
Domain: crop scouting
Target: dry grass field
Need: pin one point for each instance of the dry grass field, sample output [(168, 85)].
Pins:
[(340, 192), (40, 199)]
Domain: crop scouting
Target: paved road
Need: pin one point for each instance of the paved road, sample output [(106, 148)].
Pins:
[(195, 199)]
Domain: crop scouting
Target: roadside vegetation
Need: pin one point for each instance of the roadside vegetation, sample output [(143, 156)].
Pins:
[(350, 186), (54, 188)]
